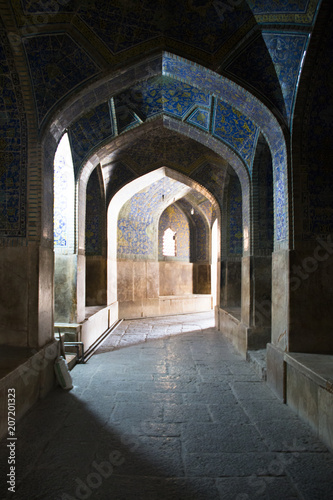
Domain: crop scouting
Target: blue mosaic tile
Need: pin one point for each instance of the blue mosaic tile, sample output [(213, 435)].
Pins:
[(126, 119), (238, 98), (133, 239), (200, 118), (179, 99), (60, 222), (235, 227), (51, 6), (157, 95), (254, 68), (199, 24), (144, 98), (184, 92), (235, 129), (286, 51), (207, 208), (212, 177), (278, 6), (89, 131), (263, 198), (175, 151), (57, 65), (201, 243), (218, 86), (94, 214), (136, 218), (202, 238), (13, 147)]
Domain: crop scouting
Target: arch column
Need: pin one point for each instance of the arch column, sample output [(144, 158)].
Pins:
[(260, 263), (303, 275), (231, 265)]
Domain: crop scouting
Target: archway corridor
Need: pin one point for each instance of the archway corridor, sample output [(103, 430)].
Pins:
[(196, 178), (166, 409)]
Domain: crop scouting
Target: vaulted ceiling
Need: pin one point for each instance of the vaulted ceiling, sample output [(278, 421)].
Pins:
[(66, 44), (55, 55)]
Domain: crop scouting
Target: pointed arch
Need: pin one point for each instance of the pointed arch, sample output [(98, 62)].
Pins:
[(213, 84), (125, 194)]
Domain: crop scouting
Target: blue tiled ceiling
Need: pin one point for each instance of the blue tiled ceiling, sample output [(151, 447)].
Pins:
[(124, 25), (13, 147), (174, 98), (89, 131), (57, 65), (286, 51), (161, 94), (190, 93)]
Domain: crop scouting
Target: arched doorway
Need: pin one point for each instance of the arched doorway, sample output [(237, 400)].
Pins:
[(141, 277), (215, 101)]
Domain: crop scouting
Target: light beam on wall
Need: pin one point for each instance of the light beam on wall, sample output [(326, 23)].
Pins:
[(64, 190)]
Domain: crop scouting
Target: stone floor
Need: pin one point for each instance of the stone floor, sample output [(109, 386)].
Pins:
[(166, 409)]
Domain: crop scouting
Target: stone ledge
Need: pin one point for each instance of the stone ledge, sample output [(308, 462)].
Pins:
[(317, 367), (234, 330), (309, 391), (165, 305), (257, 360), (32, 378), (11, 357)]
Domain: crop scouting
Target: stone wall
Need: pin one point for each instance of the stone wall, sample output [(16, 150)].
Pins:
[(95, 280), (141, 284)]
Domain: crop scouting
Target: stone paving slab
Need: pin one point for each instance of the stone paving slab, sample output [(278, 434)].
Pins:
[(166, 409), (257, 488), (232, 464)]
